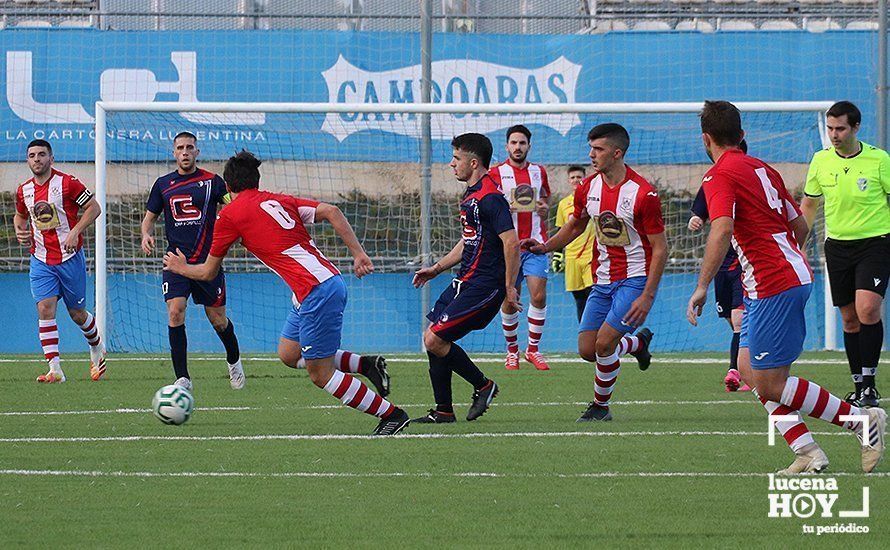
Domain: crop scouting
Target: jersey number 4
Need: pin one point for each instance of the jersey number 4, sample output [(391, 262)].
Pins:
[(772, 194), (279, 214)]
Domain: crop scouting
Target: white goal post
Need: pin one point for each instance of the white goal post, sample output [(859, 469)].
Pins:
[(105, 109)]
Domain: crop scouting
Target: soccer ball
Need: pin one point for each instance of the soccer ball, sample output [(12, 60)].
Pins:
[(173, 404)]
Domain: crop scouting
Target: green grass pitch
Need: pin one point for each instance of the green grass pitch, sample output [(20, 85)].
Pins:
[(281, 464)]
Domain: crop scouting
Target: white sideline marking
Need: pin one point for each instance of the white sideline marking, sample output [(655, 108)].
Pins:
[(698, 361), (587, 475), (410, 406), (110, 411), (342, 437)]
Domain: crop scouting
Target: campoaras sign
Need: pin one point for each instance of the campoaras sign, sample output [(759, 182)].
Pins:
[(454, 81)]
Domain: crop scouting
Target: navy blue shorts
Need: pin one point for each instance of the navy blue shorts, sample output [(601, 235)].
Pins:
[(728, 292), (463, 308), (205, 293)]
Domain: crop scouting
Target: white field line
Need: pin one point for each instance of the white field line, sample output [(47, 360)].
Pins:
[(551, 475), (409, 406), (679, 361), (110, 411), (354, 437)]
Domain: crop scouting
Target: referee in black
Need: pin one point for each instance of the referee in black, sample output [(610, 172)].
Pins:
[(854, 179)]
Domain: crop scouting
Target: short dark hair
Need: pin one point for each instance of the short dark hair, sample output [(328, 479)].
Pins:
[(521, 129), (576, 168), (723, 122), (242, 171), (185, 135), (475, 144), (40, 143), (841, 108), (743, 145), (612, 131)]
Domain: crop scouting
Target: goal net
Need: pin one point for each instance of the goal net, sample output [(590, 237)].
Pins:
[(366, 159)]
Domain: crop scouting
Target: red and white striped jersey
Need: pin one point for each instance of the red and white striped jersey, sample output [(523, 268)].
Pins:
[(531, 178), (623, 217), (271, 226), (754, 195), (53, 209)]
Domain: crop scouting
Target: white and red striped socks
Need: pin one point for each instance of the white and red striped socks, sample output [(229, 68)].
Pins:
[(510, 324), (536, 319), (607, 369), (811, 399), (628, 344), (795, 432), (49, 341), (90, 332), (353, 393), (346, 361)]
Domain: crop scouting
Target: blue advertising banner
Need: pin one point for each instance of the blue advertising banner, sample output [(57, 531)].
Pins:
[(53, 77)]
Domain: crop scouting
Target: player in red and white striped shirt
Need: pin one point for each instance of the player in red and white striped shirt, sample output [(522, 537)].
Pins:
[(750, 207), (628, 261), (48, 218), (527, 190), (272, 227)]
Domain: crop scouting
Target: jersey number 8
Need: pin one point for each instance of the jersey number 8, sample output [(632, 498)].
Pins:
[(278, 213)]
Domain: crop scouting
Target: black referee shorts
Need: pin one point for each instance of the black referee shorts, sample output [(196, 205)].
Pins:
[(861, 264)]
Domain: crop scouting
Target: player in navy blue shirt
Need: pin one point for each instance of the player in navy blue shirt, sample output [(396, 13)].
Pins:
[(188, 199), (488, 254), (727, 290)]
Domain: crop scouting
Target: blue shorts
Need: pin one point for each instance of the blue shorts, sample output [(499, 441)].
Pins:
[(532, 265), (318, 323), (728, 293), (610, 303), (68, 280), (205, 293), (774, 328), (463, 308)]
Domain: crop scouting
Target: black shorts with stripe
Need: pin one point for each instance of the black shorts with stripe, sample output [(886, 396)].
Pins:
[(463, 308), (861, 264)]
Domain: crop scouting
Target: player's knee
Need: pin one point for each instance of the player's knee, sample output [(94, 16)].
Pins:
[(46, 310), (604, 347), (587, 351), (219, 324), (850, 324), (868, 314), (539, 299), (434, 344), (176, 316), (289, 354), (79, 316)]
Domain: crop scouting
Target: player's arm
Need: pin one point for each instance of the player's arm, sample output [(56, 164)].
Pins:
[(542, 206), (362, 264), (801, 229), (566, 234), (176, 263), (22, 229), (699, 211), (91, 211), (424, 274), (21, 220), (511, 259), (715, 251), (640, 307), (147, 230), (812, 197)]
